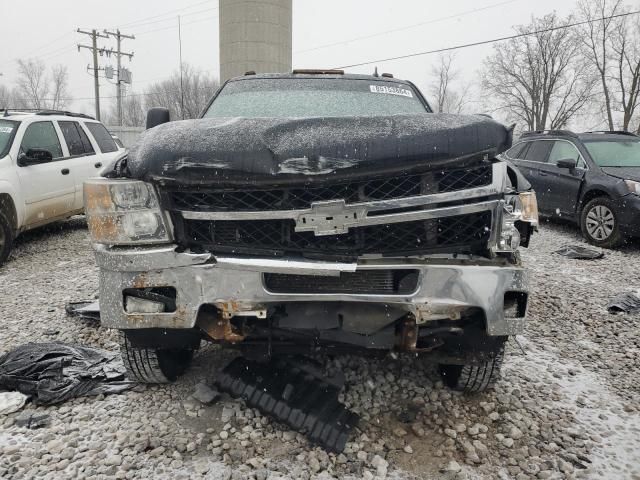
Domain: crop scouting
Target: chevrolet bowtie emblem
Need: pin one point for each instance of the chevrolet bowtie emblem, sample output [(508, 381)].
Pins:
[(330, 218)]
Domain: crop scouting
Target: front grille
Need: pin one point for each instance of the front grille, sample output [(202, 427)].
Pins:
[(296, 198), (467, 233), (372, 282)]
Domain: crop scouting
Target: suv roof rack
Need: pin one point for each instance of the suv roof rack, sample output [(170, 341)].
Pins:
[(44, 111), (567, 133), (614, 132)]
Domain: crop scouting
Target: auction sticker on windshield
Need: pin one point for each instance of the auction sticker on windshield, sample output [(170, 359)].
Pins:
[(391, 90), (6, 129)]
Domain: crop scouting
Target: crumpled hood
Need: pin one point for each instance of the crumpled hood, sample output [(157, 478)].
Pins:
[(255, 150)]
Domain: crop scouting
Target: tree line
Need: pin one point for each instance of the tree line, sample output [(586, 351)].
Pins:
[(584, 66), (36, 87)]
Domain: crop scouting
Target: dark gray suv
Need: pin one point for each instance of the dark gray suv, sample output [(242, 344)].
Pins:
[(592, 178)]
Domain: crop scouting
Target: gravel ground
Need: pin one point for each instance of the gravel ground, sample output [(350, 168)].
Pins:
[(567, 405)]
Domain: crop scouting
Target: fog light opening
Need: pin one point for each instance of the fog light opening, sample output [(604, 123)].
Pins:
[(515, 304), (149, 300)]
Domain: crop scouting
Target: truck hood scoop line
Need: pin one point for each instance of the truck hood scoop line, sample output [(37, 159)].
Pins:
[(252, 151)]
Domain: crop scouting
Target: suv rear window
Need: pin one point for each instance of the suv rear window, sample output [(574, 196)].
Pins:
[(103, 137), (76, 139), (314, 97)]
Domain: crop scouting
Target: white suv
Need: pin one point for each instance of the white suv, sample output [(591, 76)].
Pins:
[(45, 156)]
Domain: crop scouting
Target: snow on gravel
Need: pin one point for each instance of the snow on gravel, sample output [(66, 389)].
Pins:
[(567, 405)]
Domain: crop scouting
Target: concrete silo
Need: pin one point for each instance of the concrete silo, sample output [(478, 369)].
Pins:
[(254, 35)]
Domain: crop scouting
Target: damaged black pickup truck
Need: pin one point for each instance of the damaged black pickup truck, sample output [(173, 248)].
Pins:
[(315, 211)]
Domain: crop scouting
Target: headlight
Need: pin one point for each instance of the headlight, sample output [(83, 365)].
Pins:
[(634, 187), (124, 212), (518, 208)]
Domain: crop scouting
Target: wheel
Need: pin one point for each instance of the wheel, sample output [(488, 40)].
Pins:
[(6, 238), (473, 378), (153, 365), (599, 223)]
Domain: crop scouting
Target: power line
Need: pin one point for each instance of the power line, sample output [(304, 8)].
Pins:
[(170, 27), (407, 27), (486, 42), (173, 18), (169, 12)]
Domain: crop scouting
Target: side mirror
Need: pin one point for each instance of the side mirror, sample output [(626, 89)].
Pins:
[(569, 163), (157, 116), (34, 156)]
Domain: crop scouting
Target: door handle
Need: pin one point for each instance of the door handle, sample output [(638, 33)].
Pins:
[(98, 164), (64, 171), (543, 174)]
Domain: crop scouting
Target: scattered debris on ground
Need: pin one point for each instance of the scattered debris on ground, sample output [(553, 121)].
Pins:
[(11, 402), (566, 410), (85, 310), (580, 252), (293, 393), (55, 372), (205, 394), (625, 303), (33, 420)]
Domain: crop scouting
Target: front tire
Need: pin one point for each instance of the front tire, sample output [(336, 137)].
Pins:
[(599, 223), (473, 378), (6, 238), (153, 365)]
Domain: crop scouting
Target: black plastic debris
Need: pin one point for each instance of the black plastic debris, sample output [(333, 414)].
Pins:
[(579, 252), (85, 310), (55, 372), (624, 303), (293, 394)]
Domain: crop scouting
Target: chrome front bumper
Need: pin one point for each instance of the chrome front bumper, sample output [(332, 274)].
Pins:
[(235, 286)]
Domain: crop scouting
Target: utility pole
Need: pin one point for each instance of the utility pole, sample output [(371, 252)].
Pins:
[(94, 48), (119, 36)]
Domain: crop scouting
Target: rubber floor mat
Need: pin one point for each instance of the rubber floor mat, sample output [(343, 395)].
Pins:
[(293, 394)]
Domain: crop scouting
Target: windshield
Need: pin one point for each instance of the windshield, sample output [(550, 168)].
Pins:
[(616, 153), (320, 97), (7, 132)]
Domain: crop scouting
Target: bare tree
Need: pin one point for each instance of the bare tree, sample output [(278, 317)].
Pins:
[(7, 98), (447, 98), (59, 81), (32, 85), (596, 35), (34, 89), (625, 41), (539, 78), (133, 111), (197, 88)]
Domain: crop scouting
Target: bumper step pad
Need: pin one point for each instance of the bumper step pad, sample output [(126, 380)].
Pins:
[(292, 393)]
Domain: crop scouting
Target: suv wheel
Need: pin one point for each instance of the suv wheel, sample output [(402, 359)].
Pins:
[(473, 378), (599, 223), (6, 238), (153, 365)]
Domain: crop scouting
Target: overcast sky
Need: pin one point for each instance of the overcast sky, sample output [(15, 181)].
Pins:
[(326, 33)]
